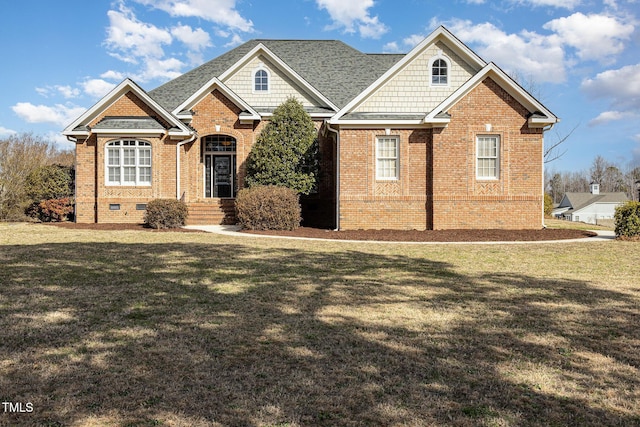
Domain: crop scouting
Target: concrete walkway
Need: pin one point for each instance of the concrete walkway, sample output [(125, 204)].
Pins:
[(233, 230)]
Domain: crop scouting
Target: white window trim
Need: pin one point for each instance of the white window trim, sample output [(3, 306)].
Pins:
[(137, 183), (448, 62), (261, 67), (497, 157), (396, 158)]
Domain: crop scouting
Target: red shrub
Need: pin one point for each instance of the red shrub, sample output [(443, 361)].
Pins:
[(51, 210)]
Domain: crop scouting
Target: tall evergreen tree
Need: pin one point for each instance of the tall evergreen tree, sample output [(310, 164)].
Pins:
[(286, 151)]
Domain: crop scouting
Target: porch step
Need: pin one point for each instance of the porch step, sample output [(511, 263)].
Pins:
[(214, 212)]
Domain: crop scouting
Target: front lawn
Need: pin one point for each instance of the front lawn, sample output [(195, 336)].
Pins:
[(192, 329)]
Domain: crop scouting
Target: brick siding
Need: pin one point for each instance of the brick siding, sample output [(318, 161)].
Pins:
[(437, 186), (93, 197)]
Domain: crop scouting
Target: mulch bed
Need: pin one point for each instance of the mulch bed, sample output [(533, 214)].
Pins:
[(434, 235), (117, 227), (380, 235)]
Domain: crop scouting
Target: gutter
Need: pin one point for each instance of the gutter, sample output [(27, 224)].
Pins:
[(180, 144), (544, 129), (543, 179), (330, 129)]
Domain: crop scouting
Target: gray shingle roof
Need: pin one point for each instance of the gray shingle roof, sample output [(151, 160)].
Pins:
[(335, 69), (577, 201), (310, 110), (388, 60), (382, 116), (131, 123)]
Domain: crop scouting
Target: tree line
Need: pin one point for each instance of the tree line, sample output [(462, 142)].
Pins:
[(611, 176), (33, 170)]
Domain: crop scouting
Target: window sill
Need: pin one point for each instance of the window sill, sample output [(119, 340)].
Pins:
[(128, 185)]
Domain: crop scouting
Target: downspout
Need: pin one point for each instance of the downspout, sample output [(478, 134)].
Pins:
[(544, 129), (178, 145), (75, 175), (330, 129)]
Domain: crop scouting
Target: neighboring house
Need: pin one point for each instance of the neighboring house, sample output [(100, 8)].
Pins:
[(589, 207), (434, 139)]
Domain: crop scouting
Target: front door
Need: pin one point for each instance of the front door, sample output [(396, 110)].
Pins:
[(219, 175)]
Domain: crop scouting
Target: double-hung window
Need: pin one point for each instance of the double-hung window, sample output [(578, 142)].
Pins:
[(128, 162), (387, 157), (488, 157)]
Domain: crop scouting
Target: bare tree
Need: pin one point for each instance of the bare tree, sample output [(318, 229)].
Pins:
[(613, 180), (553, 150), (631, 176), (19, 155), (597, 169)]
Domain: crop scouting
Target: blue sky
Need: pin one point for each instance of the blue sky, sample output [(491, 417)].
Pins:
[(581, 58)]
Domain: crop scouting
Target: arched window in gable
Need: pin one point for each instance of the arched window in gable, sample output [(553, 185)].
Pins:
[(439, 72), (261, 80)]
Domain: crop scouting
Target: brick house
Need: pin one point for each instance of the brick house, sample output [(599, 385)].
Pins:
[(434, 139)]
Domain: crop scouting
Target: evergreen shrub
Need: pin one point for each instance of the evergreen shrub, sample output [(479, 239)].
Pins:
[(627, 220), (286, 151)]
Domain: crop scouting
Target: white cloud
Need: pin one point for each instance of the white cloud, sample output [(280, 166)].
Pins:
[(541, 57), (408, 43), (65, 91), (353, 14), (610, 116), (7, 132), (136, 42), (68, 91), (59, 114), (372, 28), (196, 40), (112, 75), (236, 40), (391, 47), (43, 91), (413, 40), (97, 88), (222, 12), (163, 69), (567, 4), (596, 37), (621, 86), (128, 38)]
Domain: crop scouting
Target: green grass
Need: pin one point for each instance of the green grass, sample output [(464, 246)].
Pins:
[(577, 225), (187, 329)]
